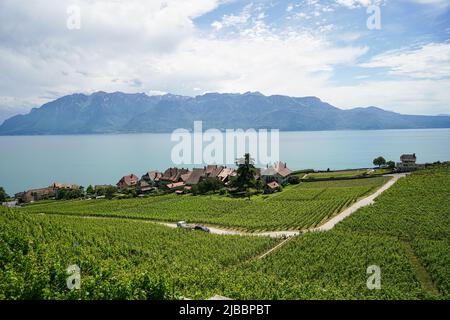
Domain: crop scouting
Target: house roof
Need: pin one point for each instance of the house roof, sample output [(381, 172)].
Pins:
[(152, 176), (282, 169), (175, 185), (408, 157), (213, 170), (173, 174), (40, 190), (57, 185), (129, 180), (185, 176), (226, 172), (273, 185), (195, 176), (279, 168)]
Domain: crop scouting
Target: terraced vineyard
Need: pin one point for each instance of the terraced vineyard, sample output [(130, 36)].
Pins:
[(417, 211), (118, 259), (299, 207), (330, 265), (406, 233)]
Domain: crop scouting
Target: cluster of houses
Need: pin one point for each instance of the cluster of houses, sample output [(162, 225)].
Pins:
[(172, 180), (182, 180), (44, 193)]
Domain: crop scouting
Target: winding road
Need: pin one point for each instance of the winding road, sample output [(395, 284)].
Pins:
[(288, 235), (330, 224)]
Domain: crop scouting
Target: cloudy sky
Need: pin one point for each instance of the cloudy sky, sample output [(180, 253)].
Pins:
[(298, 48)]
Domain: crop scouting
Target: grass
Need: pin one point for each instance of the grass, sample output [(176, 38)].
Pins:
[(345, 174)]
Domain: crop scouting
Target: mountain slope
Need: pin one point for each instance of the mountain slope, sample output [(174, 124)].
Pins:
[(124, 113)]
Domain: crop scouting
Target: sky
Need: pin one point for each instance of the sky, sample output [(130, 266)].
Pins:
[(393, 54)]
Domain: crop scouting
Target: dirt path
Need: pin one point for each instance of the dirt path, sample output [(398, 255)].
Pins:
[(361, 203), (216, 230), (285, 234), (330, 224)]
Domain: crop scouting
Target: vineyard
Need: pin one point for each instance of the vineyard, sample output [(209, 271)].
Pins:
[(417, 211), (405, 233), (118, 259), (299, 207), (327, 266), (414, 214)]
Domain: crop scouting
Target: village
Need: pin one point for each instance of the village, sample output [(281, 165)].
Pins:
[(206, 180), (210, 178)]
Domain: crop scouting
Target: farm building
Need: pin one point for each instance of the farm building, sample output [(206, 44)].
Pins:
[(127, 182), (278, 172), (173, 175), (152, 177), (213, 171), (272, 187), (35, 194), (196, 176), (408, 163), (226, 174), (143, 186)]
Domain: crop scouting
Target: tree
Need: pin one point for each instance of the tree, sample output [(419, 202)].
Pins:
[(67, 194), (259, 185), (245, 179), (380, 161), (110, 191), (90, 190), (293, 180), (3, 195), (207, 185), (390, 164), (131, 192)]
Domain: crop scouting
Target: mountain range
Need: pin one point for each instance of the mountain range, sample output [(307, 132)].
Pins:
[(119, 112)]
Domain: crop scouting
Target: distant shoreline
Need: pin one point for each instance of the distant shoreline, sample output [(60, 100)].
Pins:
[(190, 130)]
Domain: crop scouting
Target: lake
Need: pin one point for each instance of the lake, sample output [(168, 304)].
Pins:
[(37, 161)]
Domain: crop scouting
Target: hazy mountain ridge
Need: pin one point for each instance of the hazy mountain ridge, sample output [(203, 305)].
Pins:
[(118, 112)]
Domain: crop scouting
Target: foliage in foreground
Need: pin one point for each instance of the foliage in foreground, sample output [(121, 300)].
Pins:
[(118, 259), (123, 259), (332, 265)]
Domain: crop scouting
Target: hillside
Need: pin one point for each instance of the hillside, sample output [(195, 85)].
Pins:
[(123, 258), (127, 113)]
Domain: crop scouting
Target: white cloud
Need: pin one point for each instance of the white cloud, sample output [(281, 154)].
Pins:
[(354, 3), (155, 47), (439, 3), (417, 96), (429, 61)]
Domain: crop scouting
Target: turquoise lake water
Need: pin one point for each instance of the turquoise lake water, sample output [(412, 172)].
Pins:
[(35, 161)]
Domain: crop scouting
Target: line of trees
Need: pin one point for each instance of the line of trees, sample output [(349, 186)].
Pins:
[(106, 191), (381, 162)]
